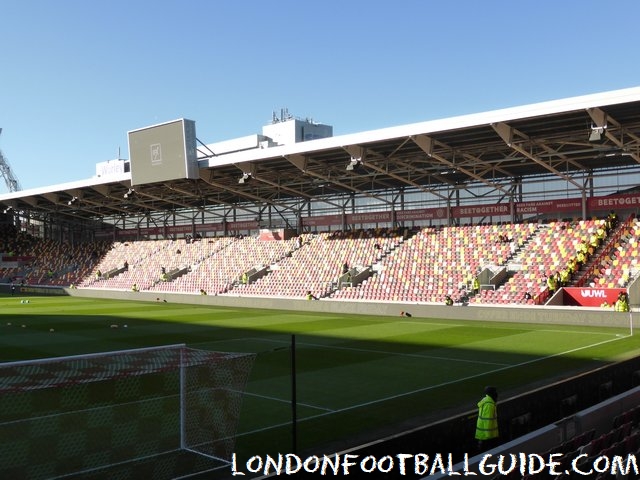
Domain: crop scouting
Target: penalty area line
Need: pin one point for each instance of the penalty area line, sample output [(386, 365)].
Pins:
[(442, 384), (463, 379), (281, 400)]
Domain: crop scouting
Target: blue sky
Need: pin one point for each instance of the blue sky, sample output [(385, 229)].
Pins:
[(76, 75)]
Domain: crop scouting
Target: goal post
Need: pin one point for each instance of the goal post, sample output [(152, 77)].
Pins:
[(163, 412)]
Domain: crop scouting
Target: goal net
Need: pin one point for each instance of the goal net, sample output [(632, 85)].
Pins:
[(161, 412)]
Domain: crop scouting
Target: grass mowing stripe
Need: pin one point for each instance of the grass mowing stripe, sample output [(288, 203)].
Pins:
[(580, 332), (532, 342), (432, 323), (389, 353)]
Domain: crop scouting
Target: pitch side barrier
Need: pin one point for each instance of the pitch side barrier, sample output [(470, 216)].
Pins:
[(23, 290), (559, 315)]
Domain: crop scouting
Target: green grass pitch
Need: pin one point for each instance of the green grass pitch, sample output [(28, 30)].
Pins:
[(356, 376)]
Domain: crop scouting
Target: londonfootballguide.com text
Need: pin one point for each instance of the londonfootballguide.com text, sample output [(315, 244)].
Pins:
[(438, 464)]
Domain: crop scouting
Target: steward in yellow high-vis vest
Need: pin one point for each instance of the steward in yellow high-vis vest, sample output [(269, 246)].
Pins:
[(487, 424), (622, 304)]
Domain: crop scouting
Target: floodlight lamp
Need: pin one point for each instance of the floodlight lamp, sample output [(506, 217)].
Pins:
[(597, 134), (354, 164), (73, 201), (130, 194), (245, 178)]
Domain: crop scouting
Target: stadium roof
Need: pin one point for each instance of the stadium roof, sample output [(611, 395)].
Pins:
[(558, 138)]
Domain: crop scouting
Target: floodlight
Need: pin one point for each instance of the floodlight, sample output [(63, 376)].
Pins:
[(245, 178), (597, 134), (354, 164)]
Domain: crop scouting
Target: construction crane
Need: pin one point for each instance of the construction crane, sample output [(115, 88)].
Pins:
[(5, 170)]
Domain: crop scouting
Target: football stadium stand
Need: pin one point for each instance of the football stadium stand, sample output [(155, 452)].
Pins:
[(388, 265)]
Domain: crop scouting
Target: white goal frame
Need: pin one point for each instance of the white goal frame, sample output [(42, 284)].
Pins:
[(196, 376)]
